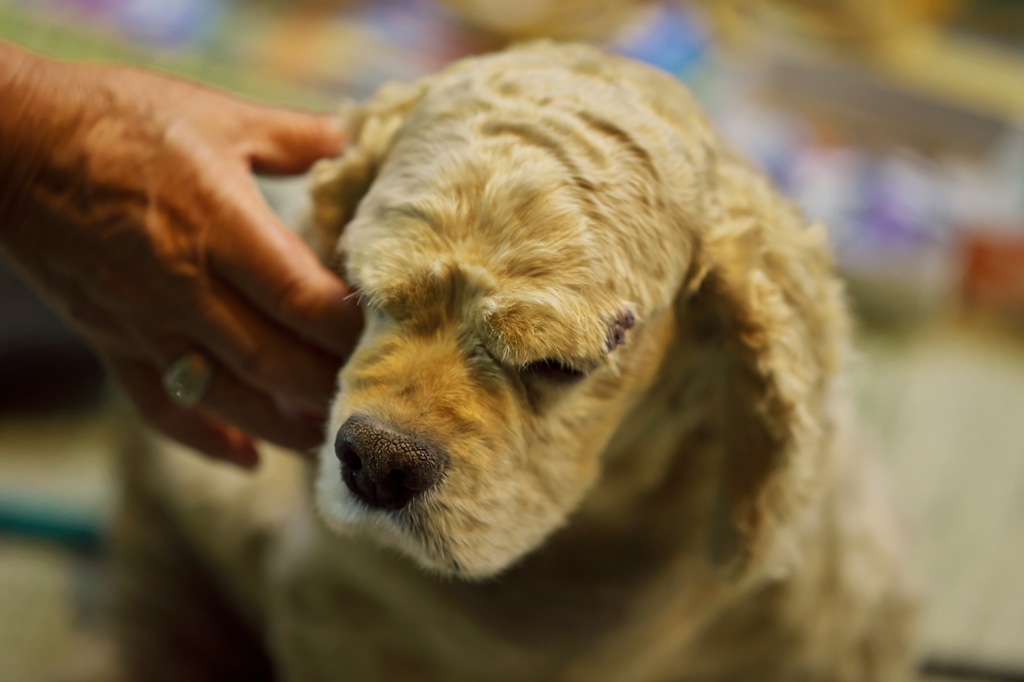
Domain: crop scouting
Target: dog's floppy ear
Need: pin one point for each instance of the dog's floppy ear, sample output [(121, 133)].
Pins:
[(338, 185), (762, 293)]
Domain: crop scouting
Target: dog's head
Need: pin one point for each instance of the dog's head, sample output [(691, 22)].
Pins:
[(527, 232)]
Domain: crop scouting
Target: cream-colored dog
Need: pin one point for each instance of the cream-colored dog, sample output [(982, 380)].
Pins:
[(596, 427)]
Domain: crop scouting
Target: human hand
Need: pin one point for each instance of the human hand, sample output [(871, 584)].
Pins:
[(127, 198)]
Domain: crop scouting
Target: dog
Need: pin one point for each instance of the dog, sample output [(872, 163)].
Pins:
[(596, 427)]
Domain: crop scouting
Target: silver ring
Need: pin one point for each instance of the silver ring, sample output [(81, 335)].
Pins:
[(187, 379)]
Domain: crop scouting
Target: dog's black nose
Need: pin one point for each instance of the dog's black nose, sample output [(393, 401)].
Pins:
[(384, 467)]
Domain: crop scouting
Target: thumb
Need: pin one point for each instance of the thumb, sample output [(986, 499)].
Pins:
[(285, 142)]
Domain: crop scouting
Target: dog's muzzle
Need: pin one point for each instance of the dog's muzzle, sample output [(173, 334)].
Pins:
[(384, 467)]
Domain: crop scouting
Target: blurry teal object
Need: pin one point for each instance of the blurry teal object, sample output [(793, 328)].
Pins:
[(50, 522)]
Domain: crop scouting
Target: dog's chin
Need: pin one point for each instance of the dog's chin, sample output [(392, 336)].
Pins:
[(408, 530)]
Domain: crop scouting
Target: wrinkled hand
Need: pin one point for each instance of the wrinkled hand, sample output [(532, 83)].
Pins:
[(129, 202)]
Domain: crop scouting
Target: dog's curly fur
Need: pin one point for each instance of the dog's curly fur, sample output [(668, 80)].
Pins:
[(696, 506)]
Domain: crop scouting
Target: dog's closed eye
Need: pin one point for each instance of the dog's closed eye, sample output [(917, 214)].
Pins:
[(553, 370)]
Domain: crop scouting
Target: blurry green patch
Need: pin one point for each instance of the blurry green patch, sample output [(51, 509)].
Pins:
[(52, 37)]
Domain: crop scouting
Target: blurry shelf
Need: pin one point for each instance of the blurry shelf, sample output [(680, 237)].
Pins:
[(915, 85), (59, 38), (968, 72)]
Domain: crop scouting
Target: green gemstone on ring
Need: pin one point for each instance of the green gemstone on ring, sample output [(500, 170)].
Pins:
[(187, 380)]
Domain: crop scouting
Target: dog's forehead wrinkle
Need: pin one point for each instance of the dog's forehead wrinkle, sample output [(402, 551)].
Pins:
[(558, 133), (538, 135), (517, 224)]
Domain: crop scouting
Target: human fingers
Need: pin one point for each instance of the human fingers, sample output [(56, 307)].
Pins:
[(258, 415), (143, 385), (262, 353), (216, 317), (273, 267), (285, 141)]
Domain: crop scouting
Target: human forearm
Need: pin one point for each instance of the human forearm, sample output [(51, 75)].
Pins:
[(40, 113)]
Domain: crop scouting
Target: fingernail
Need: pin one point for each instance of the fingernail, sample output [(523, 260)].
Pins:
[(296, 413), (335, 128), (334, 123)]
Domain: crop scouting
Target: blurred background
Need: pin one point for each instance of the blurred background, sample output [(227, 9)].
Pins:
[(900, 123)]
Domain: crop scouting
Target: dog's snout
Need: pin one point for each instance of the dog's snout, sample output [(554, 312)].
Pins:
[(384, 467)]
